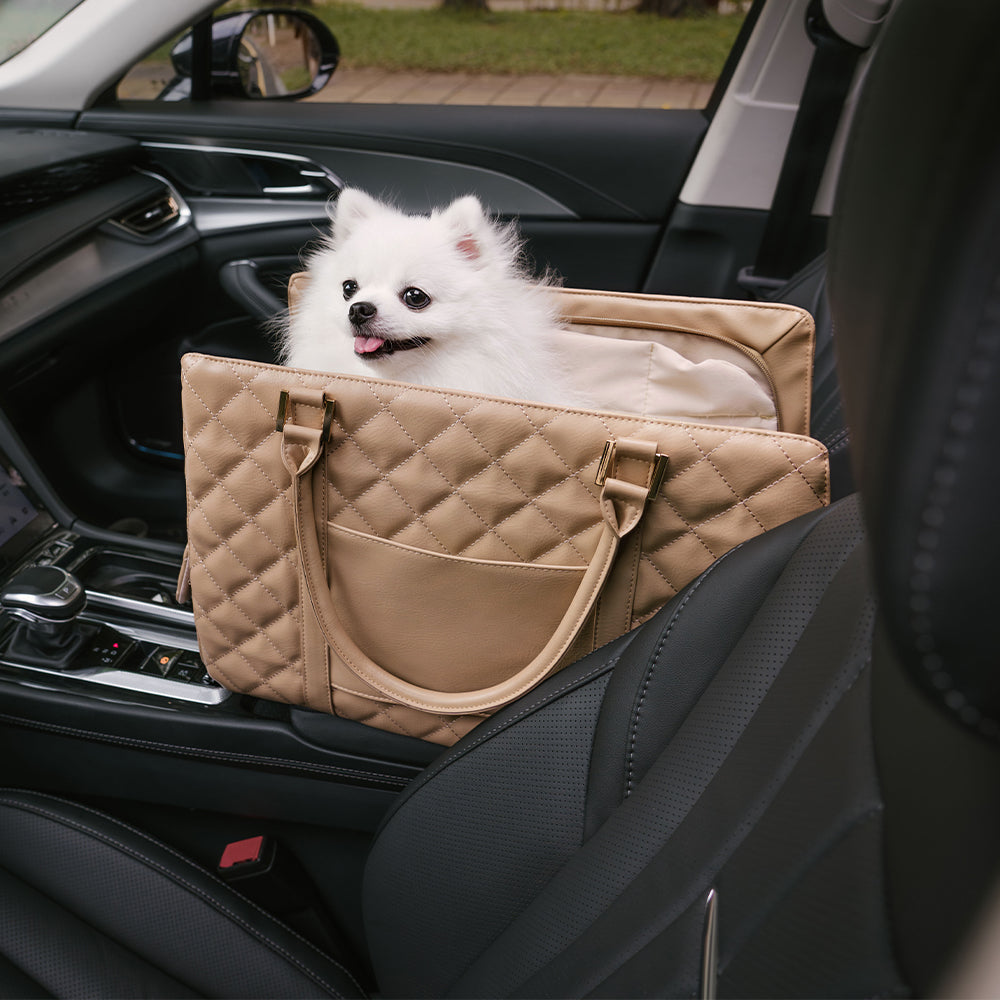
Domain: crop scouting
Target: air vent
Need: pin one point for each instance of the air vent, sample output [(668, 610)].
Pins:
[(151, 216), (154, 217)]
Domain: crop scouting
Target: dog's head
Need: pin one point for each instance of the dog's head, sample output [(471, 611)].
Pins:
[(401, 285)]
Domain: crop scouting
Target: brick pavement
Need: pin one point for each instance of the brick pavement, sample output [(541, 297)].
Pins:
[(376, 86)]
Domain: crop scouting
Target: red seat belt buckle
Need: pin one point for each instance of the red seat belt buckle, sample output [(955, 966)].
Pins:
[(245, 856)]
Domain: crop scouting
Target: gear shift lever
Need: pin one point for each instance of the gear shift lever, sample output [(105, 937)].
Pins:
[(47, 600)]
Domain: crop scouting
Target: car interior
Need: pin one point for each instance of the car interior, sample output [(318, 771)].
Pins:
[(783, 784)]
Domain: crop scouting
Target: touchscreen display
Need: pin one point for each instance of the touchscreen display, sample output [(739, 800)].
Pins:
[(16, 510)]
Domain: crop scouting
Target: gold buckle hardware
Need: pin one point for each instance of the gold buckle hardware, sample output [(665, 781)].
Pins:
[(660, 464), (605, 462), (659, 473), (284, 398), (279, 424), (328, 405)]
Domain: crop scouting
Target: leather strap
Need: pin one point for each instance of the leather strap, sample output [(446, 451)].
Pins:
[(623, 503)]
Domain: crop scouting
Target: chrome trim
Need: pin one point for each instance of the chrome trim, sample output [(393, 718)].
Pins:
[(417, 183), (303, 189), (710, 947), (311, 167), (151, 633), (127, 681), (220, 215), (175, 616), (181, 219)]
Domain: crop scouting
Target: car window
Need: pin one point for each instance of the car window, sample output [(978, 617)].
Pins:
[(603, 53), (22, 21)]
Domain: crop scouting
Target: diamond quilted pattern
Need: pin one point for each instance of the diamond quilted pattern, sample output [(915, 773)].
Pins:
[(452, 474), (442, 729), (498, 506), (242, 553)]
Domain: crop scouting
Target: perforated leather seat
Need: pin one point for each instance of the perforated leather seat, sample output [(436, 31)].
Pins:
[(824, 772)]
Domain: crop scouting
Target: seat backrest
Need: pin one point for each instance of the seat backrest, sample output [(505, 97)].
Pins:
[(914, 276)]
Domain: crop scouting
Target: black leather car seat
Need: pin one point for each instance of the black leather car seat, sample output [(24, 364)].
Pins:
[(827, 423), (772, 788)]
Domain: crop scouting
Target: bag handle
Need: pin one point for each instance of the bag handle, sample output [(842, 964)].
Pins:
[(622, 504)]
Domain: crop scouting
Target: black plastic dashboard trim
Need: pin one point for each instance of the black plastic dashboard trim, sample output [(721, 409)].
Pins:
[(30, 239), (255, 761), (623, 164), (197, 733)]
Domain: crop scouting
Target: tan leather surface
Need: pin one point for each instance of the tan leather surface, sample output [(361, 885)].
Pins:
[(628, 475), (457, 480), (397, 602)]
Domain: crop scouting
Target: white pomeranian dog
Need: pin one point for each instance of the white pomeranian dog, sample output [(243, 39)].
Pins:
[(439, 300)]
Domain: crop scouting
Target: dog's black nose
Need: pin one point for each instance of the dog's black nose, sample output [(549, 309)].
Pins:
[(361, 312)]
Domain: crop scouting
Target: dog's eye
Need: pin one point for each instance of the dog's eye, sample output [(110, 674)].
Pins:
[(416, 298), (350, 288)]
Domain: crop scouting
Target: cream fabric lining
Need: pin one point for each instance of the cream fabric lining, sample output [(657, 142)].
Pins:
[(621, 370)]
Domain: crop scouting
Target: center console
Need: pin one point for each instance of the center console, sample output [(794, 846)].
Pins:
[(103, 693), (88, 613)]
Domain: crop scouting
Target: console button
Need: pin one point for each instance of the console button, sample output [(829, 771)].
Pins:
[(185, 671), (107, 648), (159, 662)]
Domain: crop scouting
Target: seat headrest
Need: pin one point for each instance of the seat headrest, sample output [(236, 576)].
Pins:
[(914, 279)]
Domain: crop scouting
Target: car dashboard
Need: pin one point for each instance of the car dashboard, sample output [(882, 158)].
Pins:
[(77, 219), (106, 277)]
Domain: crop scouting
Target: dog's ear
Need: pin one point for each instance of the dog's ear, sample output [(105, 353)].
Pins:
[(351, 207), (474, 234)]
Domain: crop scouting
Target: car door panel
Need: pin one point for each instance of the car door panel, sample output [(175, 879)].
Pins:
[(591, 188), (599, 163)]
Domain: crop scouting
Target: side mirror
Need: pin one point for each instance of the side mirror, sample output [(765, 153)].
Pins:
[(261, 54)]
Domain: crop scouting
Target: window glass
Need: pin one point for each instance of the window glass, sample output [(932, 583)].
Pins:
[(598, 53), (147, 80), (22, 21)]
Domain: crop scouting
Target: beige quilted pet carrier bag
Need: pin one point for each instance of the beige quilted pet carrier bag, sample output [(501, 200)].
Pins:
[(416, 558)]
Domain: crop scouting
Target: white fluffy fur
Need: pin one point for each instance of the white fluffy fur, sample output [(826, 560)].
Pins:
[(487, 322)]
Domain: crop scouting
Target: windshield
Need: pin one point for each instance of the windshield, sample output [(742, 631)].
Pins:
[(22, 21)]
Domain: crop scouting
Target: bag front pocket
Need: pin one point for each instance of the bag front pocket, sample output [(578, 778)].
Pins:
[(445, 622)]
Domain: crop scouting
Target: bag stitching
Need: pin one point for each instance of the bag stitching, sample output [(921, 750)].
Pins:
[(721, 475), (384, 406)]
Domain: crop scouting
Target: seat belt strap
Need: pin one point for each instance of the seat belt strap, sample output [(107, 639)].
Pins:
[(783, 247)]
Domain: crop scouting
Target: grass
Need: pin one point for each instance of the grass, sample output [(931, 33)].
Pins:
[(540, 41)]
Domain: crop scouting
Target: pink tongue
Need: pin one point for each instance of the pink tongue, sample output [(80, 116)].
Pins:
[(365, 345)]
